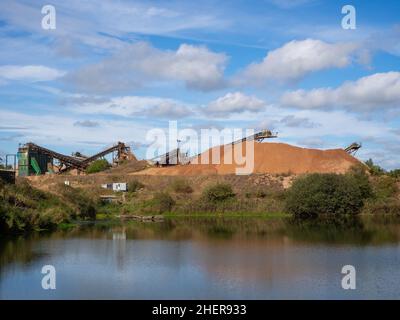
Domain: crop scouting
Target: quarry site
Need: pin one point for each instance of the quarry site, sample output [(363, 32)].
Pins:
[(273, 163)]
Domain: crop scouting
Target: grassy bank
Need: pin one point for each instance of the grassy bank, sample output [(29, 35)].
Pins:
[(49, 203), (24, 208)]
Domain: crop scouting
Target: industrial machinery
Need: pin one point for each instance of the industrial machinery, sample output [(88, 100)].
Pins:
[(259, 136), (175, 156), (353, 148), (34, 159)]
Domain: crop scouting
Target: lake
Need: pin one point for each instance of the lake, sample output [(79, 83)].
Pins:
[(207, 258)]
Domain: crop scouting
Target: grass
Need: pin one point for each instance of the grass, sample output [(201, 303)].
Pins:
[(66, 225), (24, 208)]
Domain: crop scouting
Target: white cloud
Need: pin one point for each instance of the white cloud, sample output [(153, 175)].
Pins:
[(296, 59), (140, 64), (235, 102), (33, 73), (312, 142), (134, 106), (102, 26), (338, 124), (375, 92), (293, 121), (62, 130)]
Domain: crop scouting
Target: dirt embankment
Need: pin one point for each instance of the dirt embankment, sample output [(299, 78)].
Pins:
[(271, 158)]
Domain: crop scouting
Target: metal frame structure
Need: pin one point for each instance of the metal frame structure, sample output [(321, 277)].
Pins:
[(67, 163), (353, 148)]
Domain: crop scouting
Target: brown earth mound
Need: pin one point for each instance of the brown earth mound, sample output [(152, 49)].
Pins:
[(275, 158)]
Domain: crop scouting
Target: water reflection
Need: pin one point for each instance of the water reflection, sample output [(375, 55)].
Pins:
[(351, 230), (208, 258)]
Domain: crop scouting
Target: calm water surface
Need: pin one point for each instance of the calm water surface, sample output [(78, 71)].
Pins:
[(198, 258)]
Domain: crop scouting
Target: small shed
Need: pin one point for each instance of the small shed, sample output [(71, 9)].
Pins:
[(118, 187)]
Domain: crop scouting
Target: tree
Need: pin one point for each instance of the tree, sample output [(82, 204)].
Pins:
[(332, 194), (218, 192), (373, 168), (98, 166)]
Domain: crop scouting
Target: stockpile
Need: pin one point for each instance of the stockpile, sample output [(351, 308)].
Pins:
[(273, 158)]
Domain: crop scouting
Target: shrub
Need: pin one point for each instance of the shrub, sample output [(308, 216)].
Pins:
[(358, 176), (98, 166), (395, 173), (384, 187), (24, 208), (181, 186), (374, 169), (218, 192), (135, 185), (163, 201), (260, 193), (84, 206), (319, 194)]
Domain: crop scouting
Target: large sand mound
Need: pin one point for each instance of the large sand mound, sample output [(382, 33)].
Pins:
[(272, 158)]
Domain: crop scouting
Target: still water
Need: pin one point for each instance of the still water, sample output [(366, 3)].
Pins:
[(207, 258)]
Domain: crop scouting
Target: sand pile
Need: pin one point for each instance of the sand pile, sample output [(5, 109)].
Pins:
[(275, 158)]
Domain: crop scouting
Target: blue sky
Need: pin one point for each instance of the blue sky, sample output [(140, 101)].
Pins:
[(113, 70)]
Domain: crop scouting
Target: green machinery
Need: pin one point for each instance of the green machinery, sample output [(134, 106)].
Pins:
[(32, 162), (35, 166), (37, 160)]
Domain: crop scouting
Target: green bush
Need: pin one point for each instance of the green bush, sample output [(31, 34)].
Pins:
[(374, 169), (24, 208), (358, 176), (218, 192), (181, 186), (384, 187), (83, 206), (319, 194), (135, 185), (395, 173), (98, 166), (163, 202)]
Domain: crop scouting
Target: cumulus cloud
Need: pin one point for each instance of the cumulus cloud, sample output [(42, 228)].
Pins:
[(235, 102), (54, 130), (370, 93), (139, 64), (312, 142), (296, 59), (31, 73), (297, 122), (135, 106)]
